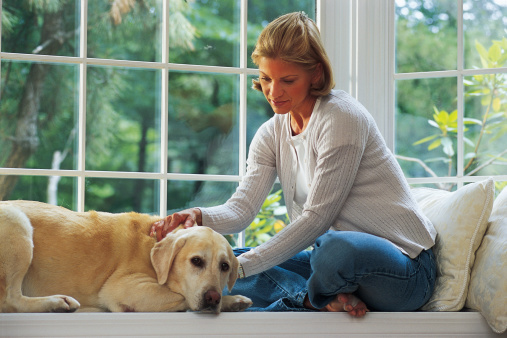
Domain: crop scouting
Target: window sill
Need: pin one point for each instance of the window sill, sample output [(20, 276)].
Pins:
[(291, 324)]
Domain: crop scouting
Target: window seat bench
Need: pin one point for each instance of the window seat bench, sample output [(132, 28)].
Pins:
[(286, 324)]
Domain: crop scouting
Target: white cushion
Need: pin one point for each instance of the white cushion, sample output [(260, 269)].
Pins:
[(460, 218), (488, 284)]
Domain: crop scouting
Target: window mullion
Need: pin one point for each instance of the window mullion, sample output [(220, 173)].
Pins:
[(460, 161), (81, 165), (164, 110), (243, 88)]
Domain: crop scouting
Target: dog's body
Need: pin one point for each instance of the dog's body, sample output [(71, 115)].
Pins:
[(54, 259)]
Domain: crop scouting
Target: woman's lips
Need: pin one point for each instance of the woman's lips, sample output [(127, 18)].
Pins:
[(278, 103)]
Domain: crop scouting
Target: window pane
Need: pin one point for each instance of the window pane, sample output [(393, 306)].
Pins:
[(123, 119), (486, 125), (262, 12), (426, 126), (258, 111), (54, 190), (426, 35), (203, 123), (40, 27), (125, 30), (122, 195), (485, 24), (205, 32), (271, 219), (188, 194), (38, 115)]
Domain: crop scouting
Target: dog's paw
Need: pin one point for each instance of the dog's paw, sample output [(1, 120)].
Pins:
[(235, 303), (61, 303)]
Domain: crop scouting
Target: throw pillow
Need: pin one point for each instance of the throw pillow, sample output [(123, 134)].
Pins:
[(460, 218), (488, 284)]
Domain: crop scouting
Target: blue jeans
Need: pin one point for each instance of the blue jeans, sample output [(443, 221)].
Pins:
[(343, 262)]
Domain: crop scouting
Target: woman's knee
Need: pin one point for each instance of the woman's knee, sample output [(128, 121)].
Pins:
[(335, 250), (338, 243)]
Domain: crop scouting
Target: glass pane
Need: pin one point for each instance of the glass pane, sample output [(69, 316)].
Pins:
[(122, 195), (204, 32), (258, 111), (188, 194), (426, 35), (486, 125), (262, 12), (40, 27), (123, 119), (54, 190), (203, 123), (38, 115), (426, 126), (271, 219), (125, 30), (485, 27)]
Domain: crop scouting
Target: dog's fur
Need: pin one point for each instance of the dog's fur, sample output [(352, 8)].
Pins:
[(56, 260)]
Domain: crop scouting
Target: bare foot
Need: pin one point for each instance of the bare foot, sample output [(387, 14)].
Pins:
[(343, 302)]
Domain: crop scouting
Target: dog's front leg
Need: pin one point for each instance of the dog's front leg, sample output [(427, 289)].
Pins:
[(235, 303), (139, 293)]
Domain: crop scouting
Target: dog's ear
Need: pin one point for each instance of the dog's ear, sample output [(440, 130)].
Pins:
[(163, 253), (233, 275)]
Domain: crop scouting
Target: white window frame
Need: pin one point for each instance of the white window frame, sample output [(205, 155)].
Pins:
[(361, 45)]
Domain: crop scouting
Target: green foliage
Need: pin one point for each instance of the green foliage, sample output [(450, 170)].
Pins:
[(481, 134), (271, 219)]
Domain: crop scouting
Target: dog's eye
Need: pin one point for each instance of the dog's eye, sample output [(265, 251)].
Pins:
[(224, 267), (197, 261)]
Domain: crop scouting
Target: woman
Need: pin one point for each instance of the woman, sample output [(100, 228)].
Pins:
[(345, 193)]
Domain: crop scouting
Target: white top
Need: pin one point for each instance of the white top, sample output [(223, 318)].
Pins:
[(302, 185), (356, 185)]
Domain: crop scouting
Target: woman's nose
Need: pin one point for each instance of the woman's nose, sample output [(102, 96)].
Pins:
[(276, 90)]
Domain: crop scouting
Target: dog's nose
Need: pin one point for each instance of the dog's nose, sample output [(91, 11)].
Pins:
[(212, 298)]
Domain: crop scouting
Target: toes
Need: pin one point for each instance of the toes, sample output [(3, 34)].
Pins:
[(353, 305)]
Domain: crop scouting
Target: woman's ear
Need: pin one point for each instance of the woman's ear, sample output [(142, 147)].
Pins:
[(317, 75)]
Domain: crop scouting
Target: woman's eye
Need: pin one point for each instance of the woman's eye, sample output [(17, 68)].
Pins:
[(289, 81)]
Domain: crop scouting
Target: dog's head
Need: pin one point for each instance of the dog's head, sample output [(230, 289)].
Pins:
[(197, 263)]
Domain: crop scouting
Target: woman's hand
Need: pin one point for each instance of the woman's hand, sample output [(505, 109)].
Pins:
[(187, 218)]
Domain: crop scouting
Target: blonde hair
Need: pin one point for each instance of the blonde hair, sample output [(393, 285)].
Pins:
[(295, 38)]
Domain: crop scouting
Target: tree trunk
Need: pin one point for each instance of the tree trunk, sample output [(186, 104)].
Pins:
[(26, 140)]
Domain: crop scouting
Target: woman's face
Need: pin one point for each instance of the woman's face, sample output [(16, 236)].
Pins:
[(286, 86)]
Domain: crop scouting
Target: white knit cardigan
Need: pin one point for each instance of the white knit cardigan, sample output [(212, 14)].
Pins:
[(356, 185)]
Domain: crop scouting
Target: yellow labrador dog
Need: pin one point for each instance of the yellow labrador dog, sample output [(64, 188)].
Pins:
[(53, 259)]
